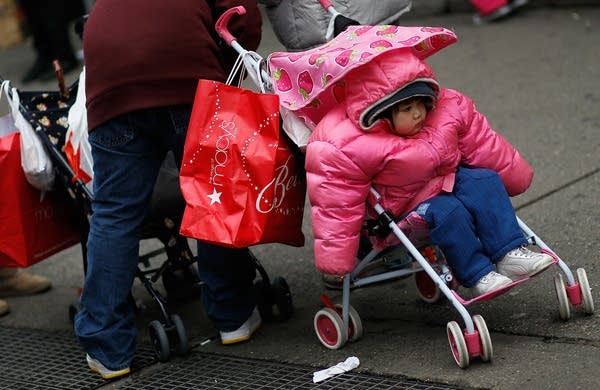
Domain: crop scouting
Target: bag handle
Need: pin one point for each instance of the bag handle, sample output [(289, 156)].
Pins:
[(6, 121), (249, 62), (237, 67), (12, 96), (14, 101), (4, 89)]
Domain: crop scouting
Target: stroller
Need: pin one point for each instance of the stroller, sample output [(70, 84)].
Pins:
[(172, 263), (295, 79)]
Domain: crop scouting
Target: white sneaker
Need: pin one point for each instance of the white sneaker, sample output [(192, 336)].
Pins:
[(490, 282), (244, 332), (106, 373), (521, 262)]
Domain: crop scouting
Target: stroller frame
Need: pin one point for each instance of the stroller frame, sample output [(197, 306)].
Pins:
[(338, 323), (170, 328)]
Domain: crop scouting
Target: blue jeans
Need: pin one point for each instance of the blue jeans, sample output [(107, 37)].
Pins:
[(475, 225), (128, 152)]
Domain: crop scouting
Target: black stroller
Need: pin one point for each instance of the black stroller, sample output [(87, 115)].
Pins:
[(47, 111)]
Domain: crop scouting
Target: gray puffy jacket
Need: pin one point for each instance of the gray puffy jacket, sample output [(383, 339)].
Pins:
[(302, 24)]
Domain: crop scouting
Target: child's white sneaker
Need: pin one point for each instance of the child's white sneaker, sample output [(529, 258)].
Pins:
[(244, 332), (522, 262), (105, 372), (490, 282)]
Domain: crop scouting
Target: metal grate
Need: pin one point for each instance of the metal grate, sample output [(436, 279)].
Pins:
[(32, 359), (40, 360), (210, 371)]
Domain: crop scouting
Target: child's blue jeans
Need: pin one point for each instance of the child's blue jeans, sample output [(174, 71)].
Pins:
[(128, 152), (475, 225)]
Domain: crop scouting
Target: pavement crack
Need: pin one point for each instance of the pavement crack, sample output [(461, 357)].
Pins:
[(559, 188), (571, 340)]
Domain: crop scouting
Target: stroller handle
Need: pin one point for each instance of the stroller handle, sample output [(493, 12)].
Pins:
[(221, 24), (325, 3), (327, 6)]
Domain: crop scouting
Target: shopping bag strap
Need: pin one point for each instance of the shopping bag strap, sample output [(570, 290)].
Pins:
[(237, 67), (249, 62), (252, 63), (12, 95), (4, 89)]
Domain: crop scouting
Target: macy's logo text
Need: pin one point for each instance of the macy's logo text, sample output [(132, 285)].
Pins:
[(221, 157)]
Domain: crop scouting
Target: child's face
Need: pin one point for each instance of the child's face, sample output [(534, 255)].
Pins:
[(408, 117)]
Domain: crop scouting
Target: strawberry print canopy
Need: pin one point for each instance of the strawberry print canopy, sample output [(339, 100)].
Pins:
[(310, 83)]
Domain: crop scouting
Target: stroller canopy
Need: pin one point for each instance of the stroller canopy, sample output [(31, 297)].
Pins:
[(310, 83)]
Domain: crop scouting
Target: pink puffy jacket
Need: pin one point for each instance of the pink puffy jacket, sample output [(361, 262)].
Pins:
[(344, 160)]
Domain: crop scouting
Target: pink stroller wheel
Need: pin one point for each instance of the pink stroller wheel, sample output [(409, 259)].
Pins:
[(426, 287), (328, 326), (458, 345)]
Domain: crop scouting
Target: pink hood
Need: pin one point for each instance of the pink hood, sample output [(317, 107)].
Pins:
[(344, 160), (378, 80)]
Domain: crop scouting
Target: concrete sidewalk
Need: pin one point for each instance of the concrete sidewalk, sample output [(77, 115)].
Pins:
[(536, 77)]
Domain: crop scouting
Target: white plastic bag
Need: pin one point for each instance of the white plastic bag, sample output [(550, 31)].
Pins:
[(35, 161), (295, 128), (7, 124), (77, 148)]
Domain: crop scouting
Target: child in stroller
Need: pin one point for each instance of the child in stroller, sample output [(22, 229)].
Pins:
[(353, 91), (467, 209), (357, 165)]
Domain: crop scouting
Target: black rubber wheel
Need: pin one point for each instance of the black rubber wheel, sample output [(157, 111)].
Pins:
[(282, 298), (73, 310), (263, 300), (160, 340), (182, 346), (181, 284)]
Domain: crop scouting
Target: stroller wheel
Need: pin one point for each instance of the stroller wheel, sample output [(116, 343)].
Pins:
[(181, 346), (487, 350), (328, 325), (277, 295), (586, 292), (73, 310), (564, 307), (262, 297), (160, 340), (74, 307), (280, 291), (181, 283), (428, 290), (355, 327), (458, 345)]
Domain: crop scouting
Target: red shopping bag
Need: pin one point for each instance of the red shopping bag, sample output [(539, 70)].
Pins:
[(32, 228), (241, 182)]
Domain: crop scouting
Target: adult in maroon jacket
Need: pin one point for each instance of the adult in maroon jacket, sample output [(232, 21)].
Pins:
[(143, 60)]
